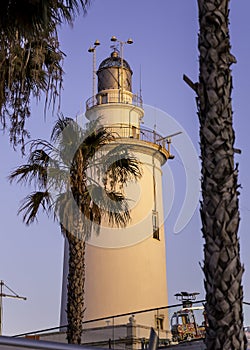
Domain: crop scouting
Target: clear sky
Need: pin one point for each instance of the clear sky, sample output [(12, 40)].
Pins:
[(165, 34)]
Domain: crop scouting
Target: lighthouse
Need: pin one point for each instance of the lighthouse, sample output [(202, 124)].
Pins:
[(126, 267)]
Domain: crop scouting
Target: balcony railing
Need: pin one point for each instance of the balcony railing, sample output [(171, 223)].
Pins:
[(133, 99), (142, 134)]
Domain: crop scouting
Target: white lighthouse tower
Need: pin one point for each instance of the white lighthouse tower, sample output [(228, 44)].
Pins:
[(126, 268)]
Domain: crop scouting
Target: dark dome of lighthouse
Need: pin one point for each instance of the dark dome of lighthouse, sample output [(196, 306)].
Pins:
[(114, 61), (114, 73)]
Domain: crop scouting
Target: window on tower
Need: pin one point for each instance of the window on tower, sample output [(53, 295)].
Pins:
[(159, 322), (155, 222)]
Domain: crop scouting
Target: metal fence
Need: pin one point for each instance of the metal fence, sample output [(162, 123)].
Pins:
[(142, 134), (131, 331), (135, 100), (128, 331)]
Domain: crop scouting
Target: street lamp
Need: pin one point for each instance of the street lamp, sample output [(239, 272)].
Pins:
[(92, 49), (129, 41)]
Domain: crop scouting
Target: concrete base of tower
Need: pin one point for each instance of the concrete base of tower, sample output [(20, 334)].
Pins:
[(130, 335)]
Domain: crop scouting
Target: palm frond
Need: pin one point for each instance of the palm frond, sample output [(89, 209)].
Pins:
[(61, 123), (44, 145), (47, 156), (119, 165), (95, 140), (118, 212), (68, 136), (29, 173), (68, 9), (36, 16), (39, 156), (124, 169), (91, 213), (111, 204), (32, 203), (58, 178)]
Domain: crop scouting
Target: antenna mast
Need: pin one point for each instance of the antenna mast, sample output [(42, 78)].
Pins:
[(140, 94), (92, 49), (129, 41), (4, 295)]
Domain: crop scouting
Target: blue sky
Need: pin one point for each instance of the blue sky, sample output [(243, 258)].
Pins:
[(165, 34)]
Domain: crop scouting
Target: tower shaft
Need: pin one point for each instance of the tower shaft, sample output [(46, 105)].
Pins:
[(126, 268)]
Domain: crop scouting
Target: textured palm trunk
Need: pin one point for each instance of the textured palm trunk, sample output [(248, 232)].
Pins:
[(76, 239), (76, 278), (219, 209)]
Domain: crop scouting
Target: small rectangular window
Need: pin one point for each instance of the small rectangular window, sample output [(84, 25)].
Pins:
[(160, 322), (104, 98), (133, 131), (155, 222)]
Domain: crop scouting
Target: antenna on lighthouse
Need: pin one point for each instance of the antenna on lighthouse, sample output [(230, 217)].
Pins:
[(140, 94), (4, 295), (122, 43), (92, 49)]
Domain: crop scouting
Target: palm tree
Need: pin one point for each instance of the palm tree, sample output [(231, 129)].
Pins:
[(220, 207), (30, 57), (76, 176)]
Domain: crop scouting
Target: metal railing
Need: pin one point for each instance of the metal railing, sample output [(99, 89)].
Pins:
[(142, 134), (7, 343), (125, 331), (135, 101)]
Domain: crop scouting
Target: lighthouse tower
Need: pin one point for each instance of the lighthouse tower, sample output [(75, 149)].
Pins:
[(126, 268)]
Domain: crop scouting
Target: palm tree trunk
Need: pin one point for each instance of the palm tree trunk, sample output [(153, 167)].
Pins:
[(219, 208), (76, 278)]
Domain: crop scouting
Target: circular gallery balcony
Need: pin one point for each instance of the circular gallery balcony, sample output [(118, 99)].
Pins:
[(144, 135), (113, 96)]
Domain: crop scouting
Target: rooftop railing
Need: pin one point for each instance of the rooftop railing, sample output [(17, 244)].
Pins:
[(135, 100)]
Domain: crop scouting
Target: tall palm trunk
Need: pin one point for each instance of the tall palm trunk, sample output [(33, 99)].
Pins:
[(219, 209), (76, 279)]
